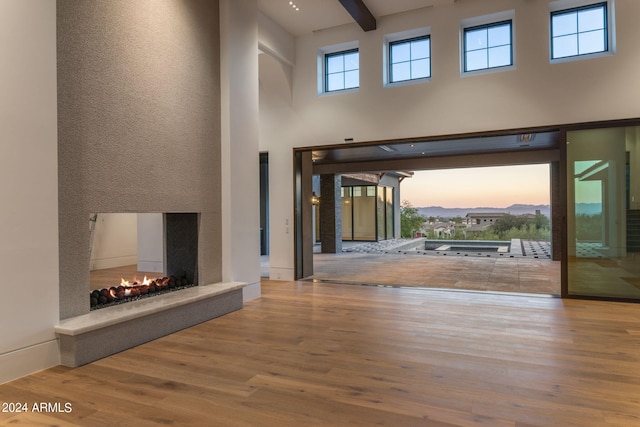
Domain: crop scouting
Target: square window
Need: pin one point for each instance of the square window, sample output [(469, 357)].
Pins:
[(410, 59), (579, 31), (342, 70), (488, 46)]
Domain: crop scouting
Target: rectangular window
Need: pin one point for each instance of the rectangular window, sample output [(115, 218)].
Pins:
[(410, 59), (341, 70), (488, 46), (579, 31), (371, 191)]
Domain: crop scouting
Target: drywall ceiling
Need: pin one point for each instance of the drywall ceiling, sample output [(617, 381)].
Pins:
[(320, 14)]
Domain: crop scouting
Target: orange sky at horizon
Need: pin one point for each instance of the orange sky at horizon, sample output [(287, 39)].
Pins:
[(498, 186)]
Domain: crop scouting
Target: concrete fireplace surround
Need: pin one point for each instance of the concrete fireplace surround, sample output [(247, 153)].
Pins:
[(139, 131), (135, 135), (100, 333)]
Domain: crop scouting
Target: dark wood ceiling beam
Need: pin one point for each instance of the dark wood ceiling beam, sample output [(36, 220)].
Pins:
[(360, 13)]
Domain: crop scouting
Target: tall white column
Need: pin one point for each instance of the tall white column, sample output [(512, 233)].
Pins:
[(240, 152)]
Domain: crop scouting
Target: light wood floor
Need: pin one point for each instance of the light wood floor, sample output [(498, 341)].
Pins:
[(335, 355)]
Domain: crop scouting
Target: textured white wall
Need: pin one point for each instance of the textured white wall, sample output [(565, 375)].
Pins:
[(535, 93), (28, 187)]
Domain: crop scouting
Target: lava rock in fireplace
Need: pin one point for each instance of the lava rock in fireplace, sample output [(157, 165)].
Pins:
[(133, 291)]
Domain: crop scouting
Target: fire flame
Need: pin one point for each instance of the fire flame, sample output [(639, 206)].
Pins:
[(134, 288)]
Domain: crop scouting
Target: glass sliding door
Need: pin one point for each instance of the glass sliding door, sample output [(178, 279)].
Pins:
[(364, 213), (603, 187), (347, 213)]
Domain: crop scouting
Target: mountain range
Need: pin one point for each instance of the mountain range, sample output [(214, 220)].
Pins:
[(517, 209)]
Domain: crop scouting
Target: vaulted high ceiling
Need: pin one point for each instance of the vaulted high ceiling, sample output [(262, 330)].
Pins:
[(316, 15)]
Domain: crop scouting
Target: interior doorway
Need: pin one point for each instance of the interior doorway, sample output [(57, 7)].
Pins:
[(264, 214)]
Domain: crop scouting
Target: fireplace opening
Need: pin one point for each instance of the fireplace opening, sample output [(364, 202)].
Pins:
[(132, 291), (140, 255)]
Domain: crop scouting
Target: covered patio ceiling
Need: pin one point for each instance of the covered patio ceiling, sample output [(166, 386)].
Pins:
[(509, 148)]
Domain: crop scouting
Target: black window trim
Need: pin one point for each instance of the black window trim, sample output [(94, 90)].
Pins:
[(487, 26), (407, 40), (600, 5), (326, 68)]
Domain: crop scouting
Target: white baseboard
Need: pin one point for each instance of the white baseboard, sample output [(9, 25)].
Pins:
[(251, 291), (28, 360), (101, 264), (281, 274), (151, 266)]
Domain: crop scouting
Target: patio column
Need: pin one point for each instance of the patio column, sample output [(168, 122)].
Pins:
[(330, 214)]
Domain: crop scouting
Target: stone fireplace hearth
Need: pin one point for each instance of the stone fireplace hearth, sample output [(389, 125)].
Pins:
[(101, 333)]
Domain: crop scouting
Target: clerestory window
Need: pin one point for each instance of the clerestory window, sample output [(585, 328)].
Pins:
[(488, 46), (579, 31), (341, 70), (410, 59)]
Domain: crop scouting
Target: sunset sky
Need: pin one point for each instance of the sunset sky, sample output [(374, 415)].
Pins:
[(478, 187)]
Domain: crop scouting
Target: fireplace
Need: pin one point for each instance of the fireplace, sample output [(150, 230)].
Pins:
[(136, 256), (171, 298)]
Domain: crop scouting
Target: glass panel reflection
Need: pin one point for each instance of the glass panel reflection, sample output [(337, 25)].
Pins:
[(604, 212)]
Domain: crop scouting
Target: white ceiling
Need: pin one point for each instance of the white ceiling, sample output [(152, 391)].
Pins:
[(320, 14)]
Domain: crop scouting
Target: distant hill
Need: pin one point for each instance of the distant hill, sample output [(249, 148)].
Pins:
[(517, 209), (588, 208)]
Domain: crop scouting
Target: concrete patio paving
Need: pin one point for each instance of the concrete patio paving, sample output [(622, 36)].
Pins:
[(478, 272)]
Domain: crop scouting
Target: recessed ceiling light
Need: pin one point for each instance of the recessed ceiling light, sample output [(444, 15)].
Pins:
[(386, 148)]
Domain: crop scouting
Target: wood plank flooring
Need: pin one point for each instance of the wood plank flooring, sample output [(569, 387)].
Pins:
[(345, 355)]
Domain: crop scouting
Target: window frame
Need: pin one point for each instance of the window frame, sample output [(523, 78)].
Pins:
[(487, 26), (390, 63), (563, 7), (326, 74), (388, 39)]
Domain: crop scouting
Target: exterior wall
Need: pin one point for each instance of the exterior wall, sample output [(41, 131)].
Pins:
[(330, 214), (28, 187), (535, 93), (139, 124)]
